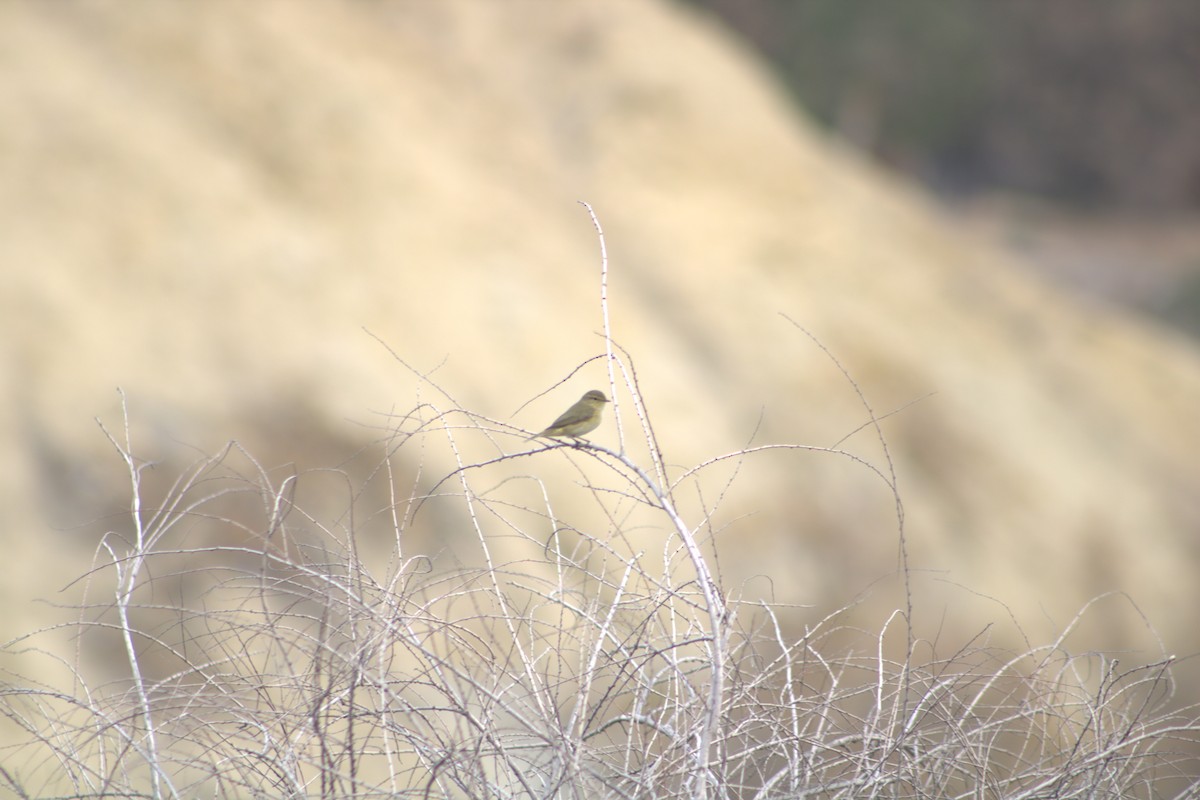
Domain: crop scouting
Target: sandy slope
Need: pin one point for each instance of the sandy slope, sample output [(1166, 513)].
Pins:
[(206, 207)]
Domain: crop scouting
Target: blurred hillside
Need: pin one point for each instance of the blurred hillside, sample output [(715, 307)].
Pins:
[(206, 205), (1070, 130), (1090, 103)]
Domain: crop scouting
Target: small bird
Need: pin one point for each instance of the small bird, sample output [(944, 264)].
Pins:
[(581, 418)]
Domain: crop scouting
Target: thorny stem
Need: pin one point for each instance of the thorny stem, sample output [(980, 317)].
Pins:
[(127, 578)]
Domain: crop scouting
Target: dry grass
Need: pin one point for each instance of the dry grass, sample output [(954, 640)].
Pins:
[(253, 650), (291, 667)]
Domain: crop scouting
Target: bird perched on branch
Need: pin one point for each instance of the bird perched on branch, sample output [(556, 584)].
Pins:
[(581, 418)]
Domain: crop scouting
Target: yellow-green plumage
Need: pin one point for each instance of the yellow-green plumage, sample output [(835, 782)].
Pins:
[(581, 418)]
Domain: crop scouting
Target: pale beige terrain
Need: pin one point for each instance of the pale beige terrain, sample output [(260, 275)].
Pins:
[(207, 204)]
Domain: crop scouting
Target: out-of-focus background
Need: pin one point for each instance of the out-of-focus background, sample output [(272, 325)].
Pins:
[(984, 211), (1070, 131)]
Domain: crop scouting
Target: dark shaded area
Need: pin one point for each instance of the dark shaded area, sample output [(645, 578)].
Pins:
[(1095, 103)]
